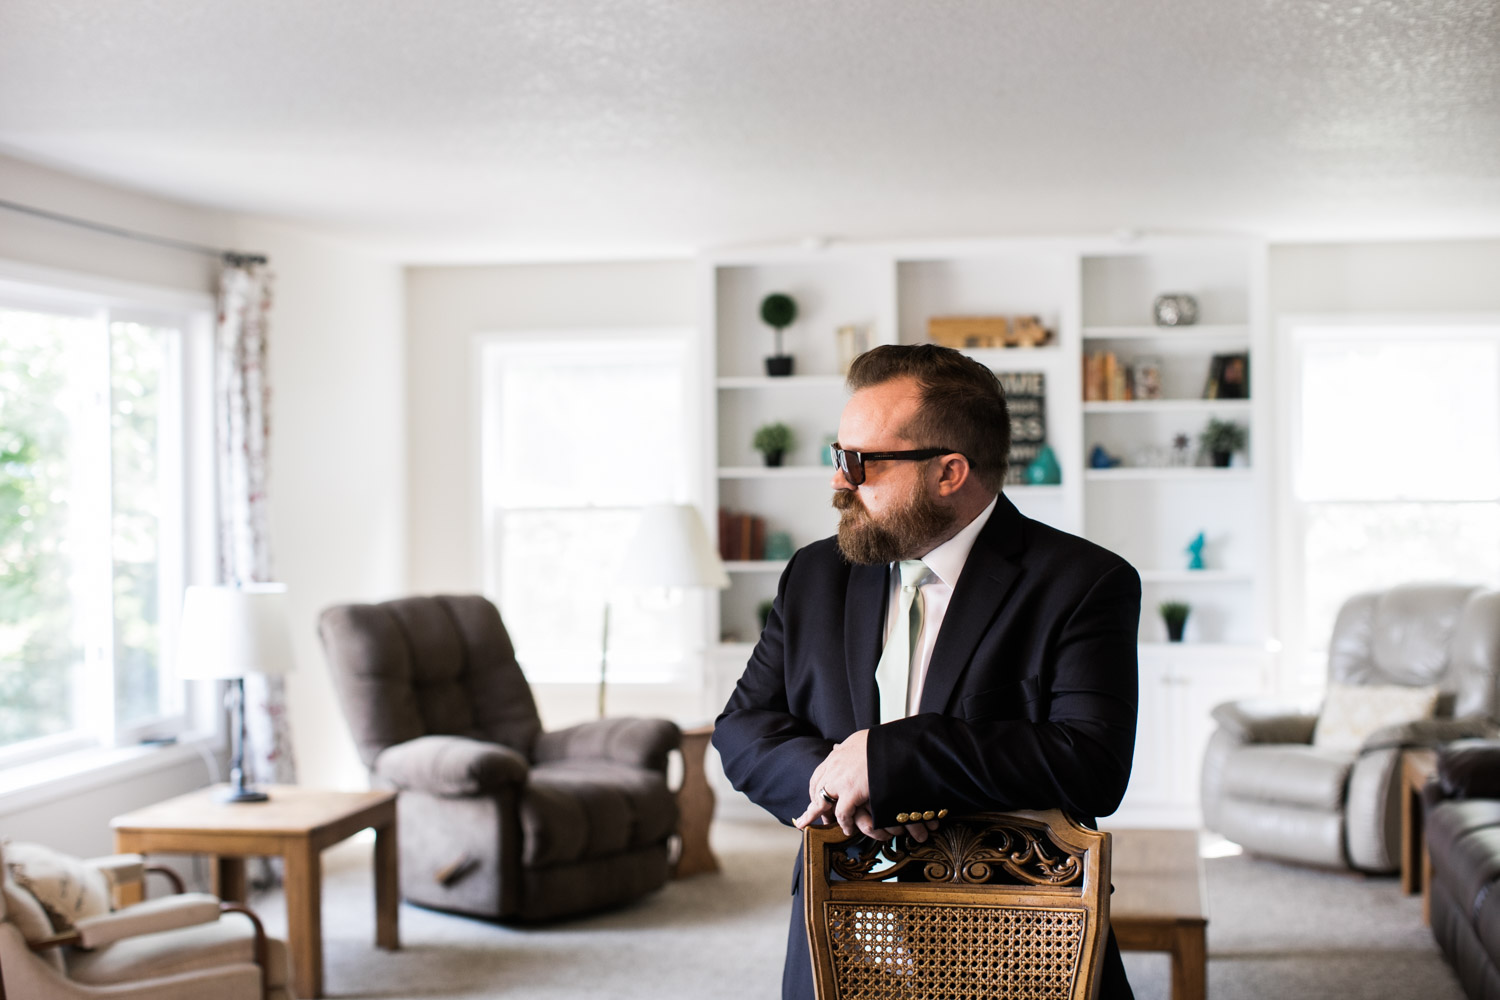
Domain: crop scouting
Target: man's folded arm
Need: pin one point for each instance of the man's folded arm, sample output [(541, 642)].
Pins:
[(1077, 758), (767, 752)]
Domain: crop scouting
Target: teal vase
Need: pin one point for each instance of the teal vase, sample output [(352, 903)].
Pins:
[(1044, 470)]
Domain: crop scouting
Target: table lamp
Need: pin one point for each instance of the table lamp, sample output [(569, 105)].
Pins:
[(227, 633), (670, 550)]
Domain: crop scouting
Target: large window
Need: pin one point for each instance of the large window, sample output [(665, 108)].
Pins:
[(95, 469), (579, 432), (1394, 466)]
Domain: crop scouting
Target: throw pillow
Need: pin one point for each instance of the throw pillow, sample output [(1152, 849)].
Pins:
[(67, 888), (1351, 712)]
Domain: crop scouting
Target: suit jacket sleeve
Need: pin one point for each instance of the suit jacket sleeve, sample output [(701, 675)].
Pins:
[(1068, 744), (768, 753)]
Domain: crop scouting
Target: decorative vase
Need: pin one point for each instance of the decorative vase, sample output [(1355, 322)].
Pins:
[(779, 365), (1044, 470), (1175, 309), (773, 458)]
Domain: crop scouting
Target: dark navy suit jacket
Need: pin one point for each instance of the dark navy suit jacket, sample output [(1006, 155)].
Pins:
[(1029, 700)]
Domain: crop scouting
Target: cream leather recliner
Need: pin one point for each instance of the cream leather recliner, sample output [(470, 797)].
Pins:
[(1269, 788), (172, 948)]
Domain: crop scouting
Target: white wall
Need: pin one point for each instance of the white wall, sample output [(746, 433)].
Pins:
[(338, 450), (338, 456), (446, 308), (1451, 276)]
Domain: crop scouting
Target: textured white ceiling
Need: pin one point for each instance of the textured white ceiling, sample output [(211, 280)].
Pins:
[(491, 130)]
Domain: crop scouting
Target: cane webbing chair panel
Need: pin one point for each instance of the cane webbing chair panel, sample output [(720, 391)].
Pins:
[(957, 952), (1011, 905)]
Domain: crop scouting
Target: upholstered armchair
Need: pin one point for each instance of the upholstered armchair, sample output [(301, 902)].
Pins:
[(495, 817), (60, 938), (1412, 666)]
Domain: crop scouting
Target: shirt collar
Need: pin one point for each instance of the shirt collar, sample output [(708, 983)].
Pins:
[(947, 560)]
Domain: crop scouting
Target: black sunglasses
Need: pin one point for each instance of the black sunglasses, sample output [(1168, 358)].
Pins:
[(852, 463)]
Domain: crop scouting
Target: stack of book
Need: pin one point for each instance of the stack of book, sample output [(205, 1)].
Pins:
[(1105, 378), (741, 536)]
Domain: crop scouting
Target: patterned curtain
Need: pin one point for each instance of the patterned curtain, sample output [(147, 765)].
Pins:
[(242, 411)]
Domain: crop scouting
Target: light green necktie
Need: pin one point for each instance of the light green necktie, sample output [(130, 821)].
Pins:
[(893, 672)]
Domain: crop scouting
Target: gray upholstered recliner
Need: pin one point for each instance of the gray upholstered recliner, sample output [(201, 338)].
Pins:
[(1266, 786), (495, 817)]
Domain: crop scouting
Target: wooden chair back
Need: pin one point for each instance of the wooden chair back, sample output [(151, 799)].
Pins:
[(992, 905)]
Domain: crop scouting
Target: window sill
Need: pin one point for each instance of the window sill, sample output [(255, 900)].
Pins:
[(25, 786)]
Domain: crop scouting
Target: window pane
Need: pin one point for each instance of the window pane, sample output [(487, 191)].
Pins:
[(602, 427), (44, 402), (558, 571), (1353, 548), (1409, 418), (141, 409)]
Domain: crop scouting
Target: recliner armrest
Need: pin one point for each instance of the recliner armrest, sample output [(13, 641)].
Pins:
[(1467, 769), (1430, 733), (641, 742), (166, 914), (1253, 721), (451, 766)]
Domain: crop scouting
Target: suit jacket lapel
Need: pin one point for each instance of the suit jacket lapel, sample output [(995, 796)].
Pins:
[(864, 630), (989, 573)]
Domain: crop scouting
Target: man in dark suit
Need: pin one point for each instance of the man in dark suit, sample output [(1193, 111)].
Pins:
[(943, 653)]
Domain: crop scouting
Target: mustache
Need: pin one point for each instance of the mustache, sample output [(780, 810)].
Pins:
[(847, 500)]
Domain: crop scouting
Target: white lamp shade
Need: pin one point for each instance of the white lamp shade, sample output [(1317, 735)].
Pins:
[(229, 632), (670, 548)]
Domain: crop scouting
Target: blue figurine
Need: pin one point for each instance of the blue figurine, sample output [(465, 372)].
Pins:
[(1101, 459), (1195, 549)]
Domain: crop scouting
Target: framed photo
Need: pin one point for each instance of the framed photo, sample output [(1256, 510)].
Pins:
[(1228, 377), (1145, 377)]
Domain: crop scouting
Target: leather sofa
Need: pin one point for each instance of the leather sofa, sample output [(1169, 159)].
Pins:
[(496, 817), (1461, 817), (1267, 786)]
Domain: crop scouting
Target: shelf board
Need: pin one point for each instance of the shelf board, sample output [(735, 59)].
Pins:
[(1182, 334), (1035, 490), (783, 382), (1195, 576), (1186, 473), (1165, 405), (776, 472), (755, 565)]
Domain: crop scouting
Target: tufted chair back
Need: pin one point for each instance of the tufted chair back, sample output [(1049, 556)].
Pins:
[(428, 666), (1420, 634)]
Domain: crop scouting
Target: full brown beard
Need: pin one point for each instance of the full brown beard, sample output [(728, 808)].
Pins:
[(905, 532)]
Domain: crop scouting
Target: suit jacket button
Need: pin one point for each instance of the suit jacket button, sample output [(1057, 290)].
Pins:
[(942, 813), (929, 814), (902, 817)]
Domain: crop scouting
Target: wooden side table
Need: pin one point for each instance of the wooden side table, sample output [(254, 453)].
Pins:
[(1417, 766), (695, 807), (295, 825)]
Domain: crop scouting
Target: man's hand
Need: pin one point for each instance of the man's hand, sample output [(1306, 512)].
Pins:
[(844, 777)]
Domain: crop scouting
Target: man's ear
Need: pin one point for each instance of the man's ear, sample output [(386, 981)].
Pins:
[(953, 473)]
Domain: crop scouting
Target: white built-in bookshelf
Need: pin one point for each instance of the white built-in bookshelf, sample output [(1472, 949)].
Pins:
[(1095, 295)]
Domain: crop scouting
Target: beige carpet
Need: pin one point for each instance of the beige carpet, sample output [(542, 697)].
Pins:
[(1276, 931)]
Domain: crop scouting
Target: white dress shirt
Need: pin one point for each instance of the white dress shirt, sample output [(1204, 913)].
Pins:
[(945, 562)]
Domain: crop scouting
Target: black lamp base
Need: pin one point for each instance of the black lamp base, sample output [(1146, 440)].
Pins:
[(232, 794)]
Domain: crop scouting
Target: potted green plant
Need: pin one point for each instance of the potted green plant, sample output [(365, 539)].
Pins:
[(778, 311), (763, 611), (1174, 614), (1221, 439), (773, 441)]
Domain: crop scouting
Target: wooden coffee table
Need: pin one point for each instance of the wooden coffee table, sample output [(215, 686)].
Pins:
[(295, 825), (1158, 903)]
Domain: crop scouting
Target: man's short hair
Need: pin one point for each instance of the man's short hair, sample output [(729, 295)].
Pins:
[(963, 406)]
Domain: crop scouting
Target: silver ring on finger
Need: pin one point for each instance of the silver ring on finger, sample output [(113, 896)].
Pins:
[(831, 800)]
